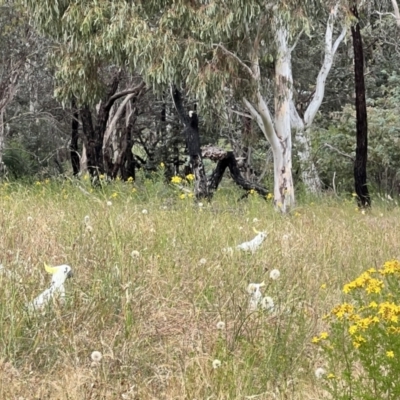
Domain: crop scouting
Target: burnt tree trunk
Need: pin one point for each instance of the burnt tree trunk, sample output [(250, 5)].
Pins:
[(75, 161), (360, 164), (227, 159), (192, 137), (90, 140)]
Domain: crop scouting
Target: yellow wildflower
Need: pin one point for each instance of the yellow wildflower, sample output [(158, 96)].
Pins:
[(315, 340), (323, 286), (270, 196), (390, 267), (190, 177), (353, 329), (342, 309), (390, 354), (130, 179), (162, 165), (324, 335), (331, 376), (176, 179), (114, 195), (182, 196)]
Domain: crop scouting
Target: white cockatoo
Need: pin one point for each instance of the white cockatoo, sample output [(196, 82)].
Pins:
[(60, 274), (253, 244), (255, 295)]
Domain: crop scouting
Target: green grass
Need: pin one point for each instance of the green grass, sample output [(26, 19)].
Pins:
[(154, 316)]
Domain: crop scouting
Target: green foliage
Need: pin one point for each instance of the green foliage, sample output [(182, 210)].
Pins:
[(383, 142), (19, 162)]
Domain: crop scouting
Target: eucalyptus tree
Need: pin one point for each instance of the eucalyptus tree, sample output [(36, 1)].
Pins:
[(15, 42), (214, 48)]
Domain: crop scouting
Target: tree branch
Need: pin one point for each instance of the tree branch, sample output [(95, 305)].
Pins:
[(246, 67), (123, 93), (330, 51), (338, 151), (396, 12)]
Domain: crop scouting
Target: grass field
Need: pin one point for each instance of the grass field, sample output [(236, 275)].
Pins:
[(154, 292)]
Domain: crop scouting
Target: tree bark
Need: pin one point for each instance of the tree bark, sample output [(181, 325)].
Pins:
[(226, 159), (90, 142), (283, 181), (360, 164), (192, 137), (74, 139)]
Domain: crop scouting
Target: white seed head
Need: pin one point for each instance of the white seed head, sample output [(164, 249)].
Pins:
[(109, 203), (221, 325), (135, 254), (267, 303), (29, 219), (144, 211), (203, 261), (319, 373), (216, 364), (274, 274), (228, 250), (200, 204), (255, 220), (96, 356), (86, 219)]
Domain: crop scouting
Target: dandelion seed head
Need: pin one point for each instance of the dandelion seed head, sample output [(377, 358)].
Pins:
[(203, 261), (228, 250), (135, 254), (255, 220), (274, 274), (29, 219), (221, 325), (200, 204), (267, 303), (216, 363), (96, 356), (109, 203), (144, 211), (319, 373), (86, 219)]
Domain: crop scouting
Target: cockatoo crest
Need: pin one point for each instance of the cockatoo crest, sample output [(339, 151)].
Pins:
[(50, 270)]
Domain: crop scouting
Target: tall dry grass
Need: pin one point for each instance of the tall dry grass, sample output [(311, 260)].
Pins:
[(149, 289)]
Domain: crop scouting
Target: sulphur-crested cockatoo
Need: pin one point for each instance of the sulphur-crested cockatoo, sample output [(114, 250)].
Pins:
[(253, 244), (60, 274)]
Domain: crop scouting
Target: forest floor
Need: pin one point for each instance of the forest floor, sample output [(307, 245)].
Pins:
[(160, 292)]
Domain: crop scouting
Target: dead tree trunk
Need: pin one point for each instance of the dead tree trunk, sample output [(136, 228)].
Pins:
[(192, 137), (226, 159), (74, 139), (360, 164)]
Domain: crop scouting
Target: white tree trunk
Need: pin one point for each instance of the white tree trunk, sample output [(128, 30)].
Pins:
[(278, 134), (396, 12), (83, 168), (283, 181), (309, 173)]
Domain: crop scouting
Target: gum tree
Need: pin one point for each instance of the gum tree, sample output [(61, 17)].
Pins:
[(213, 48)]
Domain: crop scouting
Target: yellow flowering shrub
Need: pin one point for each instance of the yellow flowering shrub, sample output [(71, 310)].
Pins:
[(362, 344)]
